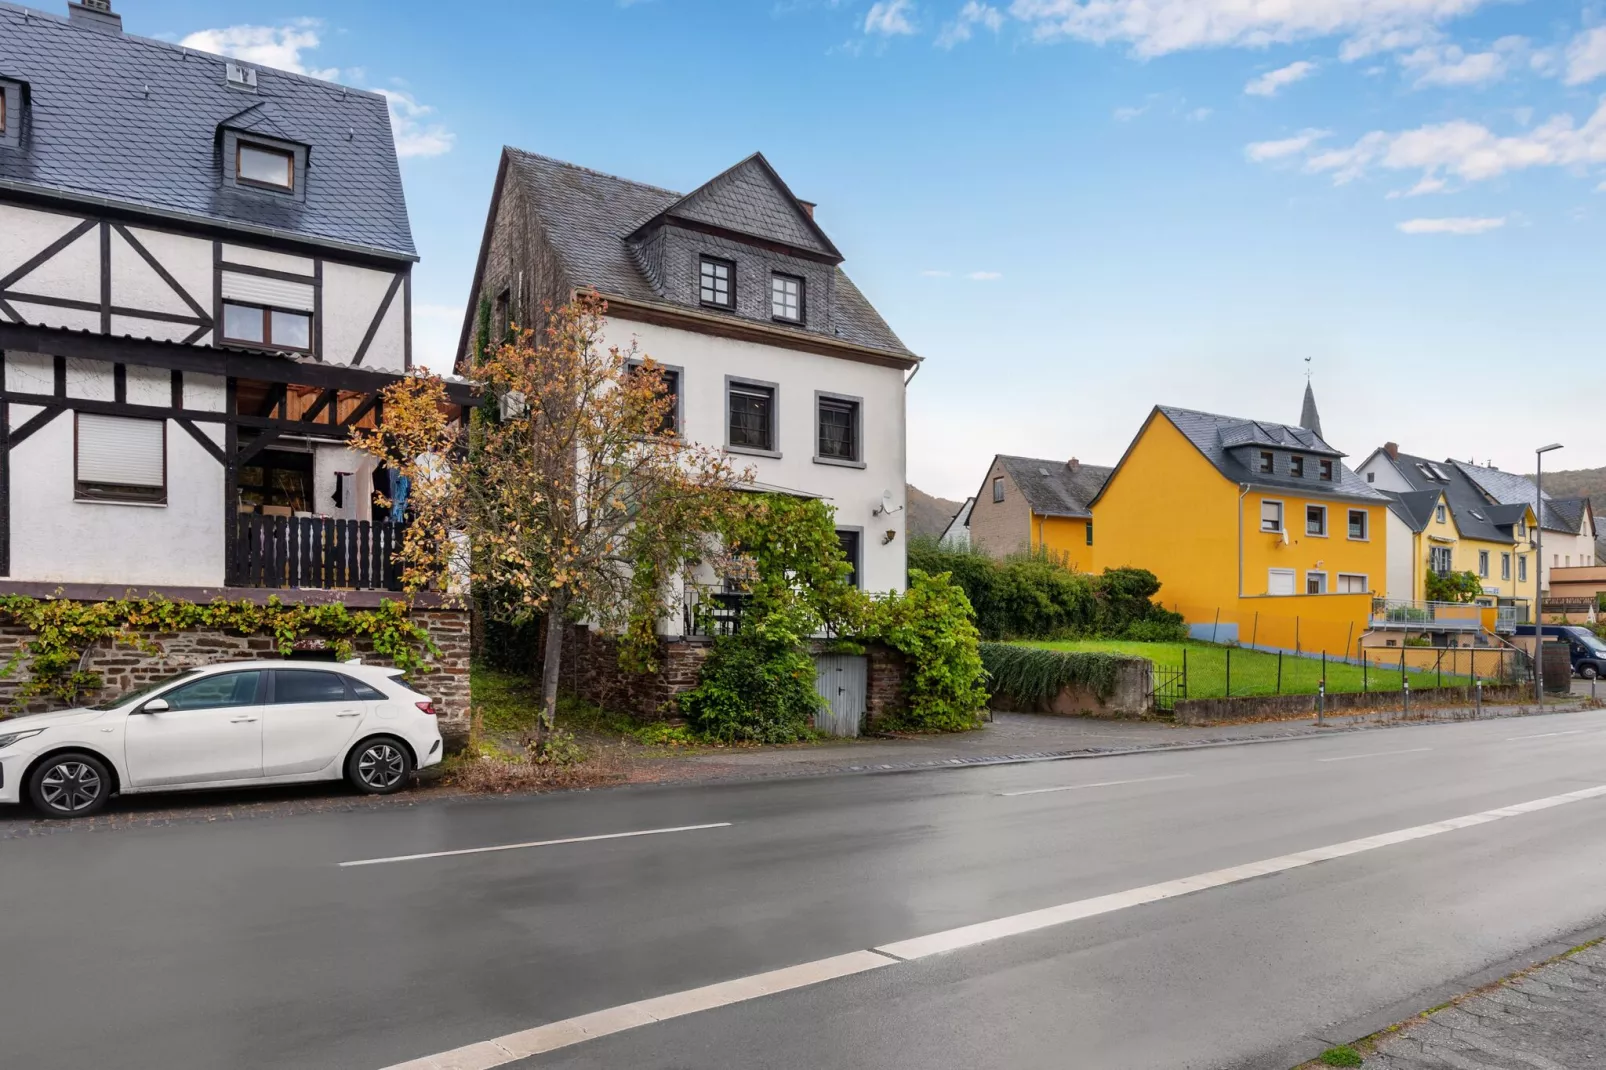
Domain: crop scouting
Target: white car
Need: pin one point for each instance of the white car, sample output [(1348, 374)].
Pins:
[(234, 724)]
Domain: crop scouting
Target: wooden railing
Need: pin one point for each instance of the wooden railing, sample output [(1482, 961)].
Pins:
[(316, 552)]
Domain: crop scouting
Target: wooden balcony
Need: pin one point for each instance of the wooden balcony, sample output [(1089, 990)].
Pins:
[(315, 552)]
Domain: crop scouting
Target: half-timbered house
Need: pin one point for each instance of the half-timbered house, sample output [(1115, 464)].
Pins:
[(205, 280)]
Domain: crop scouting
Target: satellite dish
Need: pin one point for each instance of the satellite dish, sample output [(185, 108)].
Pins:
[(886, 508)]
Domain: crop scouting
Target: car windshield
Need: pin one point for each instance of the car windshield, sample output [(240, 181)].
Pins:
[(141, 692), (1592, 642)]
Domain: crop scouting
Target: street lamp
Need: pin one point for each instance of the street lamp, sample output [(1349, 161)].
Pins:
[(1539, 552)]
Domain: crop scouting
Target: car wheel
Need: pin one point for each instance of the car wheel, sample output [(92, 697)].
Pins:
[(1588, 672), (70, 785), (379, 766)]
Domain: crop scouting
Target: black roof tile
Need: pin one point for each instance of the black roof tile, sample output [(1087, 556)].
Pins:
[(1054, 488)]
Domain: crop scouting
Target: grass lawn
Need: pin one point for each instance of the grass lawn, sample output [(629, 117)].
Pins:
[(1255, 673)]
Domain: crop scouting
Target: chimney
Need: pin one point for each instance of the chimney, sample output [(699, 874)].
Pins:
[(808, 206), (1073, 465), (1392, 449), (94, 15)]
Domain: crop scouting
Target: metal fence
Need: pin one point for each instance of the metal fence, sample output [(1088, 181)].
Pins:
[(1233, 672)]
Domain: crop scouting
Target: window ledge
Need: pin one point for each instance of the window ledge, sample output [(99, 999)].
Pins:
[(749, 451), (838, 462), (119, 501), (716, 307)]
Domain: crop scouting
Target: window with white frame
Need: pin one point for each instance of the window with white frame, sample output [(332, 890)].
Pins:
[(1280, 581), (1315, 583), (1483, 563), (1271, 517), (716, 282), (1505, 566), (1353, 583), (1522, 568), (1440, 560), (1315, 520), (1439, 513), (1358, 520), (786, 298), (119, 459)]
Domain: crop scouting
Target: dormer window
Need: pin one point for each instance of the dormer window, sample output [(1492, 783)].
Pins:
[(10, 113), (1325, 470), (259, 165), (716, 285), (786, 298), (1266, 461), (1296, 466)]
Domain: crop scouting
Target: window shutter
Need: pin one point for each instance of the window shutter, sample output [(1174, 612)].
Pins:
[(258, 290), (120, 450)]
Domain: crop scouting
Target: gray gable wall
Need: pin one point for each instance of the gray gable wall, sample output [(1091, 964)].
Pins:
[(136, 122), (746, 199)]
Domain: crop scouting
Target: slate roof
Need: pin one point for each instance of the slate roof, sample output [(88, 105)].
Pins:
[(1475, 515), (1309, 418), (743, 198), (1053, 488), (1510, 488), (135, 122), (1215, 435), (588, 215), (1415, 507)]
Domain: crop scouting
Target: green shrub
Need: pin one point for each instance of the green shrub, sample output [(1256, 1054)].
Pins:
[(753, 689), (932, 626), (1029, 677), (1163, 627)]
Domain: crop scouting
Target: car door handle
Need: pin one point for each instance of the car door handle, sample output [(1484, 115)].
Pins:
[(349, 713), (242, 720)]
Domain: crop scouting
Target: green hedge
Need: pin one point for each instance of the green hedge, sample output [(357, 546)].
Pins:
[(1036, 596), (1029, 677)]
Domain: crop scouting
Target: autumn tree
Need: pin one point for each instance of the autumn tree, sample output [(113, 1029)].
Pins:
[(572, 497)]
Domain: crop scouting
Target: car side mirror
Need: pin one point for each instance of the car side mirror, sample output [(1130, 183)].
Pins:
[(155, 705)]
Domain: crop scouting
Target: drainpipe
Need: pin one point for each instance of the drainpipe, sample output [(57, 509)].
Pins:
[(1243, 492)]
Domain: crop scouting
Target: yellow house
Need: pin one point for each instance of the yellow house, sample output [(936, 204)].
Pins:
[(1029, 504), (1257, 531), (1441, 523)]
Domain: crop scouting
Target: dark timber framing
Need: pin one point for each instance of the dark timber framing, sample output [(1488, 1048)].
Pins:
[(379, 318)]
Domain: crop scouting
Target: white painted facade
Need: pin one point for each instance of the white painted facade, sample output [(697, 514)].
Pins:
[(1401, 577), (102, 282), (857, 494)]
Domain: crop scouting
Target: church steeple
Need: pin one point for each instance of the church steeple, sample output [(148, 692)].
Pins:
[(1309, 418)]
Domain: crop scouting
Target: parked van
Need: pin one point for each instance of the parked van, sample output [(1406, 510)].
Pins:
[(1587, 651)]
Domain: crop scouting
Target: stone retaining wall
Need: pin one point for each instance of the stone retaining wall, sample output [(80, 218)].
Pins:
[(445, 679), (1207, 711), (1130, 698)]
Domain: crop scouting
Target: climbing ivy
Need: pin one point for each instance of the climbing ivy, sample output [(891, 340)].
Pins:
[(63, 630)]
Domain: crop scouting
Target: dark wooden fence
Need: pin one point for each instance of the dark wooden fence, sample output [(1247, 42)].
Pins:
[(318, 552)]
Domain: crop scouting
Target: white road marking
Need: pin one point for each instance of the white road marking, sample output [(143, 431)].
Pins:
[(1548, 735), (1100, 784), (534, 843), (1375, 754), (514, 1046)]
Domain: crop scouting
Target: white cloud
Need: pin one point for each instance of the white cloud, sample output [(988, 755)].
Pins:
[(1155, 27), (985, 276), (1199, 115), (1127, 114), (1586, 56), (1424, 185), (1453, 225), (279, 47), (1269, 83), (935, 273), (973, 14), (1467, 150), (1263, 151), (890, 18), (414, 136), (1449, 65)]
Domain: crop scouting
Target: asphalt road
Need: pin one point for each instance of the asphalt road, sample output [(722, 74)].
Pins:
[(247, 944)]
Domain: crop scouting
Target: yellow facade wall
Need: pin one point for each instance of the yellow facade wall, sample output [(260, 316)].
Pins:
[(1064, 538), (1168, 509), (1464, 558)]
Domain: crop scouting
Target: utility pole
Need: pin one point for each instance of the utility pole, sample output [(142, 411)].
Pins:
[(1539, 552)]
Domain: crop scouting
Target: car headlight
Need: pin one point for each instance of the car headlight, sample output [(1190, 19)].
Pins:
[(11, 737)]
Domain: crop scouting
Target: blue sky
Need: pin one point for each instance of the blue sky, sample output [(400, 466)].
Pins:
[(1073, 209)]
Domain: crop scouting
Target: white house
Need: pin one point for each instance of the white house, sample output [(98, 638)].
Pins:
[(204, 281), (773, 354)]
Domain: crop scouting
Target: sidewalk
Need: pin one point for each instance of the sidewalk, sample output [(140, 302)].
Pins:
[(1023, 736), (1552, 1017)]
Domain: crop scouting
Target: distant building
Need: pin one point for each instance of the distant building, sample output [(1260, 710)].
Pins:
[(1569, 523), (956, 536), (1030, 504)]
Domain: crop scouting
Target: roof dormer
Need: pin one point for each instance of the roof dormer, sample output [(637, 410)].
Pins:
[(13, 99), (259, 156)]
